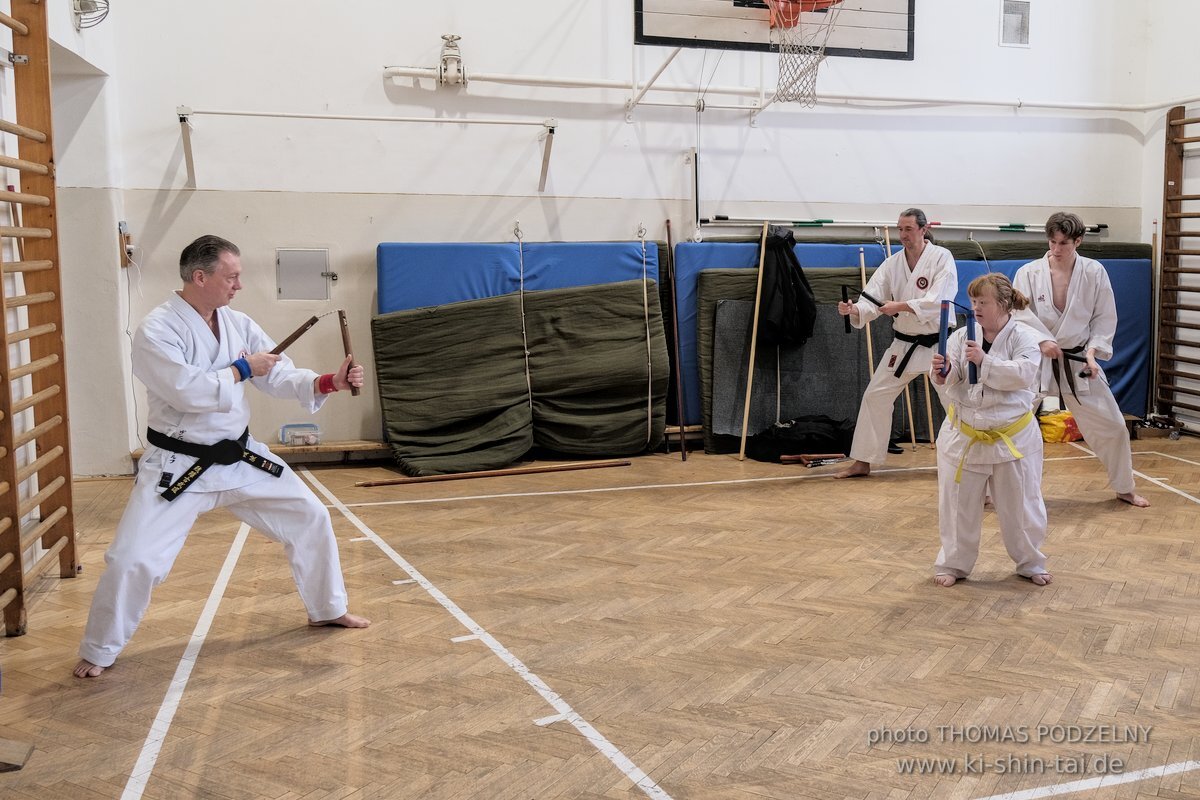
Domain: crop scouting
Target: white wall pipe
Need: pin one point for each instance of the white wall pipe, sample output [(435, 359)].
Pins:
[(562, 83), (823, 97), (1005, 227), (184, 111)]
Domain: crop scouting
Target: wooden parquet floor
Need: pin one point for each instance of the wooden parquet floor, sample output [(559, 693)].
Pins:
[(708, 629)]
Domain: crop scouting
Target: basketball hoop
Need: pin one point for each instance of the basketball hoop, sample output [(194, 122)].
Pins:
[(800, 29)]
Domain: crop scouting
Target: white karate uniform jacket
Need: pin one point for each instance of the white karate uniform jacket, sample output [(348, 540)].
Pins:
[(1088, 319), (193, 396), (192, 393), (933, 279), (1001, 396), (1003, 393)]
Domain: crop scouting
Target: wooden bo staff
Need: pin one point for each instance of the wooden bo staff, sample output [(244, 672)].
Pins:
[(679, 398), (346, 344), (862, 277), (907, 394), (762, 255), (929, 411), (497, 473)]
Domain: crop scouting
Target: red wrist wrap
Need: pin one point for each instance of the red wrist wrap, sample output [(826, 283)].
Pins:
[(325, 384)]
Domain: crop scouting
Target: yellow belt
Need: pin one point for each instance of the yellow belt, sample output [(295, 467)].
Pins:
[(991, 436)]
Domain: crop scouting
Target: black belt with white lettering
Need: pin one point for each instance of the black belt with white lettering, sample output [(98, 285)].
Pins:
[(226, 451), (914, 341)]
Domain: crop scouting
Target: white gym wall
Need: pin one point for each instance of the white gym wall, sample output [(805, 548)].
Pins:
[(348, 185)]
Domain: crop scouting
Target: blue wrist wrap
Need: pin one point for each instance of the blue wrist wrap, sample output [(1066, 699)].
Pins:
[(243, 368)]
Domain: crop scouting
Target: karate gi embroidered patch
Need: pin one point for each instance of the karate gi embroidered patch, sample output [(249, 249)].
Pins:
[(165, 480), (892, 361)]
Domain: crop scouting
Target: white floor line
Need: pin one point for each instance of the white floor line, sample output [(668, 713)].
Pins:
[(1098, 783), (1166, 455), (166, 712), (641, 487), (1146, 477), (607, 748)]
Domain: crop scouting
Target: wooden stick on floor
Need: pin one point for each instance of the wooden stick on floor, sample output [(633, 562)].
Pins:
[(762, 254), (498, 473)]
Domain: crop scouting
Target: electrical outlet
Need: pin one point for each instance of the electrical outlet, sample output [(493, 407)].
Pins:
[(126, 240)]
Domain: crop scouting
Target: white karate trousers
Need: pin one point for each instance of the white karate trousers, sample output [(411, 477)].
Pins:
[(1017, 495), (152, 532), (874, 425), (1103, 427)]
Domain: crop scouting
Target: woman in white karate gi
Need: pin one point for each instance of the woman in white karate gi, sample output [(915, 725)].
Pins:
[(912, 284), (196, 357), (990, 434), (1072, 304)]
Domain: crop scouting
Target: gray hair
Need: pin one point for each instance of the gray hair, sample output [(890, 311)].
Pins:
[(203, 254)]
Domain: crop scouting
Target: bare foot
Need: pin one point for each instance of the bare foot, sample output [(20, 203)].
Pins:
[(859, 469), (987, 502), (344, 621), (945, 580), (1042, 579), (1134, 499), (86, 669)]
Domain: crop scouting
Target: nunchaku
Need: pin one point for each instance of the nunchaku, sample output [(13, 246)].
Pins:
[(1086, 372), (944, 333), (862, 293), (303, 329)]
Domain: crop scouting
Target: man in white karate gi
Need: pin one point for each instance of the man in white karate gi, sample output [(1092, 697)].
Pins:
[(1072, 305), (197, 357), (911, 284)]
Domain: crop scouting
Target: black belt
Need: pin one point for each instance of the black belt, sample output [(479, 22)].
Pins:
[(226, 451), (1067, 371), (914, 341)]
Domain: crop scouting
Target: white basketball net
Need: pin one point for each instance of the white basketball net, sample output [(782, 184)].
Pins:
[(801, 48)]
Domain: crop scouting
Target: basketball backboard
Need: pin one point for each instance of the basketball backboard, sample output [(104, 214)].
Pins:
[(865, 28)]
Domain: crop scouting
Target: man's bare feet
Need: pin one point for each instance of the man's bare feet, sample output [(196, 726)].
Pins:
[(344, 621), (1042, 579), (945, 580), (1134, 499), (859, 469), (86, 669)]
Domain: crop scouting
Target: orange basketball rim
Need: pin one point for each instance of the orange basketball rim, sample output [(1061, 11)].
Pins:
[(786, 13)]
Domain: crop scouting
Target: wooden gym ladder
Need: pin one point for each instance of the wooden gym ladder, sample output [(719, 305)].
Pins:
[(1178, 293), (36, 511)]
